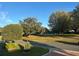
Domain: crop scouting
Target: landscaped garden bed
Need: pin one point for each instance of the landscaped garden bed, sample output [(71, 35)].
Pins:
[(0, 38), (11, 46)]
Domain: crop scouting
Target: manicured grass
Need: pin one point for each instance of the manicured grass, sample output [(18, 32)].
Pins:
[(34, 51), (41, 39), (72, 38), (37, 51), (68, 35)]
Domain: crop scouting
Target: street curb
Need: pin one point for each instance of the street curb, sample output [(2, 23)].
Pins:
[(47, 52)]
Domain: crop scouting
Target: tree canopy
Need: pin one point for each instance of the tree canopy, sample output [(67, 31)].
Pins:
[(75, 17), (12, 32), (60, 22), (32, 26)]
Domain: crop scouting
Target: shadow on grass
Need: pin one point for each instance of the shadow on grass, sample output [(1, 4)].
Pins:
[(70, 43)]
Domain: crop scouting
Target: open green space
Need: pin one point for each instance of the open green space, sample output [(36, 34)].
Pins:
[(72, 38)]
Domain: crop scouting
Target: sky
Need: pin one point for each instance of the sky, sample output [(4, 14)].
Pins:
[(12, 12)]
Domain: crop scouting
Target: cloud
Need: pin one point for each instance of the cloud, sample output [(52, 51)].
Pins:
[(4, 18)]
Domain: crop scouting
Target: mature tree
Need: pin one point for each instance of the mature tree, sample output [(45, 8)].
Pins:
[(60, 22), (32, 26), (12, 32), (75, 17)]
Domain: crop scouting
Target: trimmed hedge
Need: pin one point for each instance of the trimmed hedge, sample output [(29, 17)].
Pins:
[(27, 46), (12, 46), (12, 32), (0, 38)]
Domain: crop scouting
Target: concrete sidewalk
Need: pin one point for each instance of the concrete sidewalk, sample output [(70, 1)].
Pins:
[(62, 53)]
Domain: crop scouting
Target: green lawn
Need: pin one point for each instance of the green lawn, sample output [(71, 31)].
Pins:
[(34, 51), (71, 38), (52, 38)]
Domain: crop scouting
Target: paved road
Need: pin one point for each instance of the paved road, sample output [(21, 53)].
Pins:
[(57, 46), (66, 46), (59, 49)]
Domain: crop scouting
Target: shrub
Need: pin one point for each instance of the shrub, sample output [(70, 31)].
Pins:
[(12, 32), (0, 38), (12, 46), (27, 46)]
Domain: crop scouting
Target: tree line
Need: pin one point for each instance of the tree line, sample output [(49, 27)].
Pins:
[(65, 22), (59, 22)]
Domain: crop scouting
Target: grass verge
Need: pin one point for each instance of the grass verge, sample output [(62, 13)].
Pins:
[(74, 38)]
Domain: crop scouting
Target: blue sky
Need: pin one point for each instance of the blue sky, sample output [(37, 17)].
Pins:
[(12, 12)]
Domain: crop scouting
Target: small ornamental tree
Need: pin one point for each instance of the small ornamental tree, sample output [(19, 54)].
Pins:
[(12, 32)]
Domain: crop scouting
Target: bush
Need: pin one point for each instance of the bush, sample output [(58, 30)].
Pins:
[(27, 46), (12, 32), (0, 38), (12, 46)]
